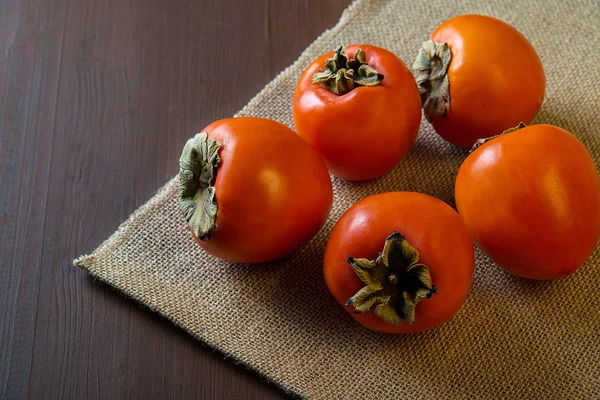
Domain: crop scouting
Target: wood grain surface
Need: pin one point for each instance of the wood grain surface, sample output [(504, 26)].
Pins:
[(97, 98)]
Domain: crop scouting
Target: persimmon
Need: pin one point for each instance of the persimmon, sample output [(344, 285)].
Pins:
[(358, 107), (478, 76), (399, 262), (531, 200), (252, 190)]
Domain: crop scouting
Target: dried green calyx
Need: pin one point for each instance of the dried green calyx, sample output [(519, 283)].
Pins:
[(431, 74), (197, 171), (395, 282), (480, 142), (342, 74)]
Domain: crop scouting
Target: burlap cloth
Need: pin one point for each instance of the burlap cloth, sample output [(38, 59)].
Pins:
[(514, 338)]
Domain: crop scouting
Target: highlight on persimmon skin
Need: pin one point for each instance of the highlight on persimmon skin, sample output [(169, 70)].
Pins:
[(478, 76), (531, 201), (363, 120), (252, 190), (399, 262)]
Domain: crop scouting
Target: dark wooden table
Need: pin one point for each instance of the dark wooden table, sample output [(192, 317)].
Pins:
[(97, 98)]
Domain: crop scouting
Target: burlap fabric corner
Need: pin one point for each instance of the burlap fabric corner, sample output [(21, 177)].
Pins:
[(513, 338)]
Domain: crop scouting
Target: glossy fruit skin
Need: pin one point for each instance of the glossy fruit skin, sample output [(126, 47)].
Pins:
[(531, 201), (496, 79), (366, 132), (429, 225), (272, 190)]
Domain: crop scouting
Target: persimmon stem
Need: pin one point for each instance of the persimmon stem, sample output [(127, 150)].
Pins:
[(343, 74), (197, 172), (395, 282), (431, 74)]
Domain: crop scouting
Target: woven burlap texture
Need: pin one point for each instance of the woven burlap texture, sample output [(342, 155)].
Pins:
[(514, 338)]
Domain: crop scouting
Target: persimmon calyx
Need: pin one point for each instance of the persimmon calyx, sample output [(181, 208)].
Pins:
[(431, 73), (480, 142), (197, 172), (395, 282), (342, 74)]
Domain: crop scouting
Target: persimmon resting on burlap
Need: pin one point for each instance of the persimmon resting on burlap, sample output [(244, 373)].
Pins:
[(400, 262), (359, 107), (252, 190), (478, 76), (531, 200)]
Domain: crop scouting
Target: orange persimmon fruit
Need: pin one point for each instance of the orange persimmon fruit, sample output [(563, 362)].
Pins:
[(478, 76), (359, 107), (252, 190)]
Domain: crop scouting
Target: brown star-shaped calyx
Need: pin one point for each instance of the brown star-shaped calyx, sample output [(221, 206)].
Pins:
[(395, 282), (342, 74)]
